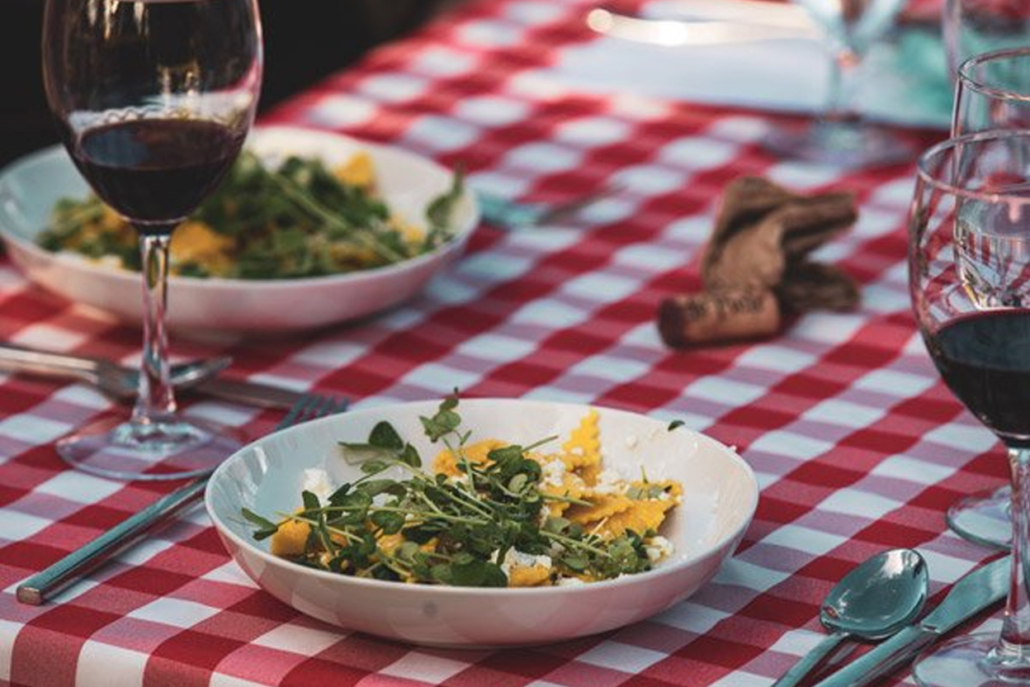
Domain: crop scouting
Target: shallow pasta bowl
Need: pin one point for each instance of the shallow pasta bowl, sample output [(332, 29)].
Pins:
[(30, 186), (720, 496)]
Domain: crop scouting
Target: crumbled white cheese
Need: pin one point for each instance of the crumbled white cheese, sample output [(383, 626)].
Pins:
[(658, 548), (516, 559), (317, 482), (553, 473), (570, 582), (609, 482), (576, 450)]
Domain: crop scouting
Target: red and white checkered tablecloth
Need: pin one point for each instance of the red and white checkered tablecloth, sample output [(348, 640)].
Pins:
[(856, 443)]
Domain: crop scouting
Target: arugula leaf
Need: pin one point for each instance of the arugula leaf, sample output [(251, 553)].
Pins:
[(385, 436), (310, 501), (265, 528), (356, 453)]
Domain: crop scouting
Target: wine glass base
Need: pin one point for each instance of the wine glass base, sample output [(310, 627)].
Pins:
[(984, 518), (168, 447), (973, 661), (850, 144)]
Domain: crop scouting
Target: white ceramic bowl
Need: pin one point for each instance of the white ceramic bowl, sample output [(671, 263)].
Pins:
[(30, 186), (720, 496)]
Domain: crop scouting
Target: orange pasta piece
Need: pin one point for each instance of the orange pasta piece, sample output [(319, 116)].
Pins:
[(291, 538), (446, 463), (642, 516), (572, 486), (601, 507), (529, 576), (583, 448)]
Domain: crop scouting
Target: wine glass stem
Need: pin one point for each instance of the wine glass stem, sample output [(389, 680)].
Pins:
[(1015, 633), (156, 396), (840, 100)]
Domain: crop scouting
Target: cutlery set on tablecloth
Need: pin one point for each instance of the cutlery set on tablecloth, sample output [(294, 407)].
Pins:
[(970, 595), (119, 382)]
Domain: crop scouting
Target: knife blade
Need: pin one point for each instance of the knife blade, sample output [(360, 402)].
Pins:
[(17, 358), (975, 592), (249, 393)]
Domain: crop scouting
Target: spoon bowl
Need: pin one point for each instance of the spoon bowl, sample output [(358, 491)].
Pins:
[(879, 597), (873, 601)]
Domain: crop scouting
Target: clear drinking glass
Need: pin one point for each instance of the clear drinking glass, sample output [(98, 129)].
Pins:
[(974, 27), (153, 99), (969, 274), (840, 136), (992, 92)]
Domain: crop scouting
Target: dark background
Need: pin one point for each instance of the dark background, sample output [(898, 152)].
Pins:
[(304, 41)]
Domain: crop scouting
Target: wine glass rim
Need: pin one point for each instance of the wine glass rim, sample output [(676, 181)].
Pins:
[(965, 73), (928, 162)]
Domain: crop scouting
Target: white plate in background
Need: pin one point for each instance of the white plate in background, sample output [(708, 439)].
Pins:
[(29, 187)]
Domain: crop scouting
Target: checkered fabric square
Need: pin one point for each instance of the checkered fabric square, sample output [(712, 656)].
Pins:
[(856, 443)]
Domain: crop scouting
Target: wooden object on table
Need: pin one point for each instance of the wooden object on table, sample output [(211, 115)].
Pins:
[(757, 264)]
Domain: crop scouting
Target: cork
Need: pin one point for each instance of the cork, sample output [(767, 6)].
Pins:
[(686, 320)]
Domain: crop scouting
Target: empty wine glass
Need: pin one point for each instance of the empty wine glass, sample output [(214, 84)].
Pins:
[(992, 92), (969, 275), (153, 99), (974, 27), (840, 136)]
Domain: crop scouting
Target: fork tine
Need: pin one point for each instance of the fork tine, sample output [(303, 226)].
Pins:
[(295, 412), (312, 406)]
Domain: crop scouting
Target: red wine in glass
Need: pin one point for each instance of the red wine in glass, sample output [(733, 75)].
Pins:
[(155, 169), (153, 100), (984, 358)]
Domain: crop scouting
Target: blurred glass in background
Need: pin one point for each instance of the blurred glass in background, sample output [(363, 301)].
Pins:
[(993, 92), (972, 27)]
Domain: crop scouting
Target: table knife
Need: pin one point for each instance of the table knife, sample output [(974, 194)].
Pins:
[(42, 586), (973, 593), (16, 358)]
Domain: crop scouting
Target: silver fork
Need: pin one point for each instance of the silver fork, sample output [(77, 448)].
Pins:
[(112, 379), (65, 572), (514, 214)]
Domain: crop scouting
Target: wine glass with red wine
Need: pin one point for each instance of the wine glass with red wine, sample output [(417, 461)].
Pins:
[(153, 100), (992, 92), (969, 270)]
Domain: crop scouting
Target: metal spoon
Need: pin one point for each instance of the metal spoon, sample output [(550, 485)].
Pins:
[(873, 601)]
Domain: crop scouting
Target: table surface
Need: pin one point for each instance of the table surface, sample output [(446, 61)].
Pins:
[(857, 445)]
